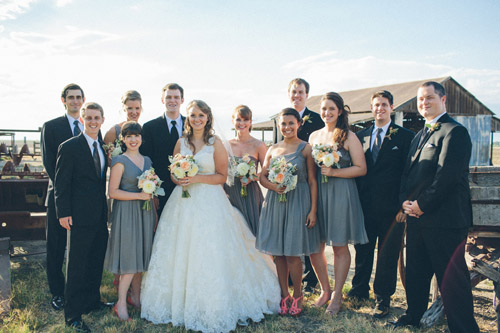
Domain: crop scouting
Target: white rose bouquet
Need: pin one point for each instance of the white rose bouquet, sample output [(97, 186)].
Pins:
[(282, 173), (150, 183), (181, 167), (326, 155), (113, 149), (246, 170)]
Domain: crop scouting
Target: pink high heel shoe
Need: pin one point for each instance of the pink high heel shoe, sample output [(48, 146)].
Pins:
[(284, 306), (294, 309)]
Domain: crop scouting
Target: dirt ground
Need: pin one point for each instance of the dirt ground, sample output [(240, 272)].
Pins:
[(483, 292)]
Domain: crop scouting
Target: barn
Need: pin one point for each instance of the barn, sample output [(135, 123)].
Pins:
[(460, 104)]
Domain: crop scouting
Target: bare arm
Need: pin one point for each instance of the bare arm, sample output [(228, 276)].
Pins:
[(313, 185), (110, 136), (358, 167), (114, 184)]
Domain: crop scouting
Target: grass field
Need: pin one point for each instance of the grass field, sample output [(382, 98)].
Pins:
[(31, 311)]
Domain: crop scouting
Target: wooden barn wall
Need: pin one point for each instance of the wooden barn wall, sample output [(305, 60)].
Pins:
[(460, 101), (479, 128)]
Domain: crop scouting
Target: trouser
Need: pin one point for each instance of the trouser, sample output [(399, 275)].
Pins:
[(56, 247), (440, 252)]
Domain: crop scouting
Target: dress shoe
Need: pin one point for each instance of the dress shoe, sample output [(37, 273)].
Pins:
[(405, 320), (380, 311), (101, 306), (57, 302), (78, 325), (358, 296)]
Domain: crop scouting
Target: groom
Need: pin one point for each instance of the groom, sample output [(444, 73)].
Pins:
[(160, 135), (80, 198)]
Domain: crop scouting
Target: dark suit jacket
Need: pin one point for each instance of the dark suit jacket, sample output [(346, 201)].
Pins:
[(313, 124), (436, 175), (158, 144), (54, 132), (79, 192), (379, 188)]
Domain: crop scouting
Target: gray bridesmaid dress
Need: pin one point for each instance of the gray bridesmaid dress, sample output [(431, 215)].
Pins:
[(131, 238), (282, 225), (251, 205), (340, 216)]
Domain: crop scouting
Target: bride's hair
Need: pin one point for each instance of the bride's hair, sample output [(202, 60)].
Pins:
[(208, 131)]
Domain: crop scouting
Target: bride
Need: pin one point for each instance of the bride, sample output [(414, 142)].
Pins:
[(205, 272)]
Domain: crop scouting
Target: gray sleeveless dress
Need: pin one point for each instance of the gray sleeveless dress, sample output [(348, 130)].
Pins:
[(131, 238), (282, 225), (340, 216), (250, 206)]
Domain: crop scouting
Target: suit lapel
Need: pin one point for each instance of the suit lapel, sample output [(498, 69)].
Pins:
[(387, 143), (87, 154), (65, 127)]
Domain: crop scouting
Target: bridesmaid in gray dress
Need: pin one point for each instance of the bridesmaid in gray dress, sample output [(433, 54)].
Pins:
[(132, 105), (287, 229), (131, 239), (244, 143), (340, 216)]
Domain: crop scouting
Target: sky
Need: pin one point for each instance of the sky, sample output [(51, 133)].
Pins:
[(235, 52)]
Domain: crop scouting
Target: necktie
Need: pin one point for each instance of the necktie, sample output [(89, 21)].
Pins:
[(173, 131), (97, 160), (377, 144), (76, 129), (423, 137)]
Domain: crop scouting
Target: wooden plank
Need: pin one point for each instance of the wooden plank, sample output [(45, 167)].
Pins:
[(5, 283)]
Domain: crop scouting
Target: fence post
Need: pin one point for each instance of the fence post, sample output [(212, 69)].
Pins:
[(5, 284)]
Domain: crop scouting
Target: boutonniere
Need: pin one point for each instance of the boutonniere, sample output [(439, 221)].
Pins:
[(392, 131), (434, 127), (306, 118)]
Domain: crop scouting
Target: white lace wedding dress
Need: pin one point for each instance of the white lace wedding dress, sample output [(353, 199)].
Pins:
[(205, 273)]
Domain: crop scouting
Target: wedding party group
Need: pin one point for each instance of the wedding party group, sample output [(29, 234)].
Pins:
[(194, 242)]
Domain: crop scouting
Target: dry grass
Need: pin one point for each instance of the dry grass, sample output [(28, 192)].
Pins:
[(496, 156), (31, 311)]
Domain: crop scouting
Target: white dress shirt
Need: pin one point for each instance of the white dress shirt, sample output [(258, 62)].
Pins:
[(90, 142), (178, 124), (71, 121), (382, 134)]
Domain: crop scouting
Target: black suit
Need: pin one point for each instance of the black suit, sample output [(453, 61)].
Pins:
[(436, 175), (54, 132), (314, 123), (81, 194), (158, 144), (379, 196)]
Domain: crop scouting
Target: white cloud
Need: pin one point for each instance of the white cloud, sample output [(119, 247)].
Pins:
[(10, 9), (2, 28), (329, 72), (62, 3)]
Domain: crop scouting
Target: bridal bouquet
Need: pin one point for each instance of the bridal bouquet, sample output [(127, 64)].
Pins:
[(113, 149), (246, 170), (182, 166), (282, 173), (150, 183), (326, 155)]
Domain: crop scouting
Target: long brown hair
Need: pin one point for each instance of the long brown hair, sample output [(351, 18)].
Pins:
[(208, 131), (342, 127)]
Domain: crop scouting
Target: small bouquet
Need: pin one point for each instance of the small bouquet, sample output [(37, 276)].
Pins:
[(246, 170), (326, 155), (150, 183), (113, 149), (282, 173), (181, 167)]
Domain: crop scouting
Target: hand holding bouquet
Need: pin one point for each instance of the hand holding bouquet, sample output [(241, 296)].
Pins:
[(113, 149), (246, 170), (282, 173), (181, 167), (150, 183), (326, 155)]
